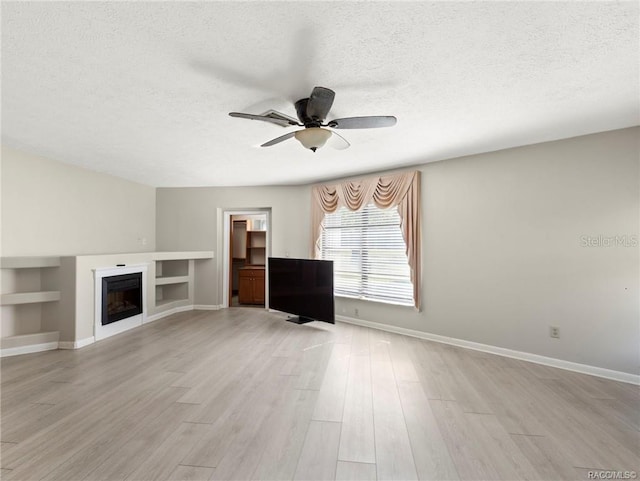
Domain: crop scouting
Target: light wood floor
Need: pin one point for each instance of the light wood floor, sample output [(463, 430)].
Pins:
[(242, 394)]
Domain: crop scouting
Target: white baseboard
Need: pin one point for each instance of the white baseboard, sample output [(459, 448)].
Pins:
[(500, 351), (15, 351), (76, 344), (206, 307)]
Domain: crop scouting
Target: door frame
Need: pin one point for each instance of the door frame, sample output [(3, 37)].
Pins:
[(226, 249)]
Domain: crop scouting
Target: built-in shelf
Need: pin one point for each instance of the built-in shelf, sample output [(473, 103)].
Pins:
[(256, 247), (28, 282), (163, 281), (166, 303), (174, 279), (172, 256), (29, 339), (29, 262), (172, 268), (171, 292), (29, 297)]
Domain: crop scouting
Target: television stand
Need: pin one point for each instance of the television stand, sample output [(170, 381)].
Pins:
[(299, 319)]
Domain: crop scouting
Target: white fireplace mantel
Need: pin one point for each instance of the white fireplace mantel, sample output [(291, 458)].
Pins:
[(100, 331)]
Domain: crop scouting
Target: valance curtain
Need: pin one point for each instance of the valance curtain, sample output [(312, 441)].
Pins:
[(402, 190)]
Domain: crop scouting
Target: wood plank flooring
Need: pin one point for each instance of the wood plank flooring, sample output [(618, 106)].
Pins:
[(240, 394)]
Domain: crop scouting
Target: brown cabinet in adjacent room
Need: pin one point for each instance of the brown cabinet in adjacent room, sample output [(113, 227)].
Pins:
[(251, 285)]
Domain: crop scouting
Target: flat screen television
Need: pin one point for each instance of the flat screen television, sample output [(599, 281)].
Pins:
[(302, 287)]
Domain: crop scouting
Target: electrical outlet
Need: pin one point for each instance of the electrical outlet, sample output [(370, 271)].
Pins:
[(356, 312), (554, 331)]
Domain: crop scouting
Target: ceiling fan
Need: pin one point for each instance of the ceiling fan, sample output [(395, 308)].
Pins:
[(312, 113)]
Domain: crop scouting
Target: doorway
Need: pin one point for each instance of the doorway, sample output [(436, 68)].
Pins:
[(247, 247)]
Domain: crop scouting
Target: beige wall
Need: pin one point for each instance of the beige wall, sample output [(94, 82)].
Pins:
[(503, 255), (192, 219), (51, 208)]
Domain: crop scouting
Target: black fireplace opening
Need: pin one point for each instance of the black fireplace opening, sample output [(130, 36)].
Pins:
[(121, 297)]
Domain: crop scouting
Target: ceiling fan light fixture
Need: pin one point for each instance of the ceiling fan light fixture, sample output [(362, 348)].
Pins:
[(313, 137), (312, 112)]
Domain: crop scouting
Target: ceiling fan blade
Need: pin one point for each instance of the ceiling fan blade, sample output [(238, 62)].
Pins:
[(282, 122), (277, 140), (338, 142), (371, 122), (320, 103)]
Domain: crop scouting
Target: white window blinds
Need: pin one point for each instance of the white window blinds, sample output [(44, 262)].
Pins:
[(368, 253)]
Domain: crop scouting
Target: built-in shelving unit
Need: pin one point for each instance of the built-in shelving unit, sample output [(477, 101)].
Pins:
[(174, 279), (29, 285), (256, 247), (38, 295)]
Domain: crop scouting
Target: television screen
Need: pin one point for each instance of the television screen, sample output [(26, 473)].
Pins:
[(302, 287)]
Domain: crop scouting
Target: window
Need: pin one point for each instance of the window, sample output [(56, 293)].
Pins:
[(368, 253), (365, 241)]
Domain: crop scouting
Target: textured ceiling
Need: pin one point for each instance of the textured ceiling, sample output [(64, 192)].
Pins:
[(142, 90)]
